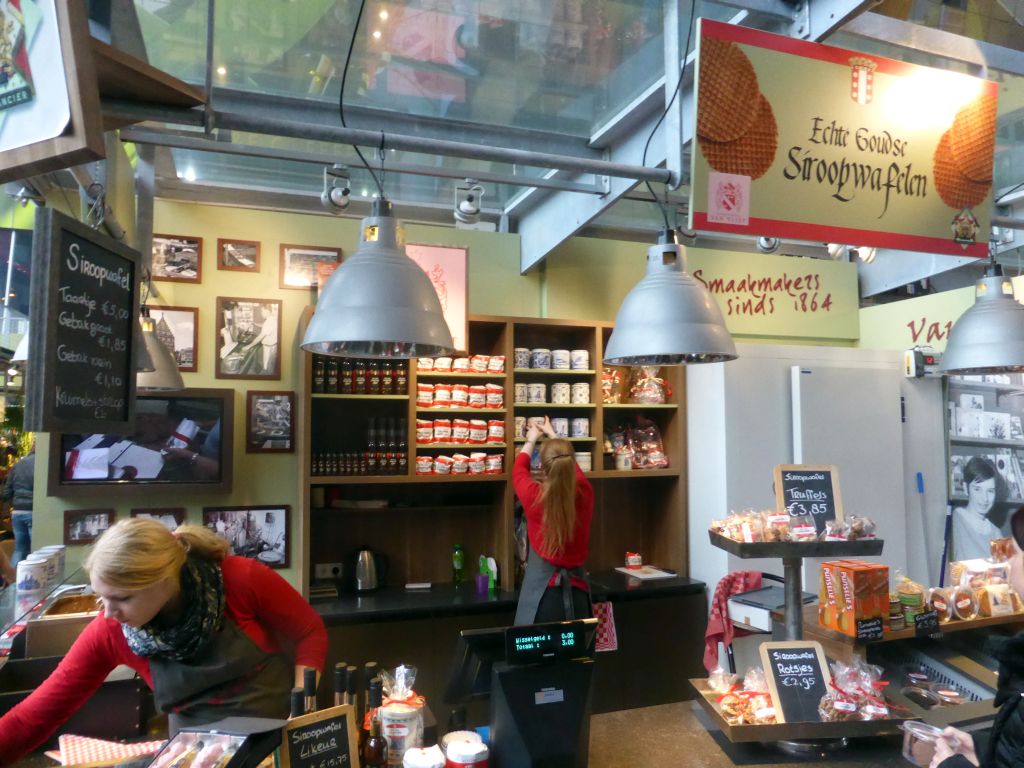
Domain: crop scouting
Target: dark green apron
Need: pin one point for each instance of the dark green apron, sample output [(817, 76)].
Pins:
[(232, 676), (535, 582)]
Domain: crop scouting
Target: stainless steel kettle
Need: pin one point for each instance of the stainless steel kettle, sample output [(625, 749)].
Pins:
[(366, 571)]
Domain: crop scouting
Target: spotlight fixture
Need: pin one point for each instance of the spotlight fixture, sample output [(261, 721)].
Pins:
[(379, 303), (836, 251), (165, 376), (989, 336), (335, 197), (468, 197), (12, 371), (866, 253), (768, 244), (668, 318)]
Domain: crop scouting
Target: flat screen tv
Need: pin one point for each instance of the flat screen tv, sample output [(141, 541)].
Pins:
[(181, 439)]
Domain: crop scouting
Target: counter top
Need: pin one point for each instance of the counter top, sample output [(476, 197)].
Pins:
[(389, 604)]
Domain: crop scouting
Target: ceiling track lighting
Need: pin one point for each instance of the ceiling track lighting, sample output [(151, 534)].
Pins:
[(668, 318), (989, 336), (379, 303), (468, 197), (336, 195), (163, 374)]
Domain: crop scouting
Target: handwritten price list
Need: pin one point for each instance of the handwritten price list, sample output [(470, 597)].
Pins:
[(799, 681), (94, 326)]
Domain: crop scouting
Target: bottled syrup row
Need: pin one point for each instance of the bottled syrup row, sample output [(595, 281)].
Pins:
[(386, 452), (355, 376)]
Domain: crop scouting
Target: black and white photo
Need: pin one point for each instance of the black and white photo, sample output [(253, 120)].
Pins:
[(268, 417), (248, 338), (169, 517), (260, 532), (176, 327), (84, 526), (298, 264), (177, 258), (238, 255)]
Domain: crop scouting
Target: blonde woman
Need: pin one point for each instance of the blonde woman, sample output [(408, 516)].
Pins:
[(558, 513), (212, 634)]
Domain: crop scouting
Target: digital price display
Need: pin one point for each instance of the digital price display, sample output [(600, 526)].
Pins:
[(545, 642)]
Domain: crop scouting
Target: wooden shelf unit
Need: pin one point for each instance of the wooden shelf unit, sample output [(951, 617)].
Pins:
[(641, 510)]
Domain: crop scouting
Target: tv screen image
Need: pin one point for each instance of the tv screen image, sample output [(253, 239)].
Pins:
[(181, 438)]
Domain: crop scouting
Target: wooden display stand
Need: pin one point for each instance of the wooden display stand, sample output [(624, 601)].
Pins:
[(423, 517)]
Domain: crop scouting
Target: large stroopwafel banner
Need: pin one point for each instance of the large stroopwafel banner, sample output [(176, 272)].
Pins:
[(809, 142)]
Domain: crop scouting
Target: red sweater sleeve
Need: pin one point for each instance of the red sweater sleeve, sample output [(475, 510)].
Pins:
[(283, 611), (76, 678)]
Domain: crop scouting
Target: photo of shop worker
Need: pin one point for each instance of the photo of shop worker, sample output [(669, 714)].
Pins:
[(256, 532), (175, 440), (982, 518), (248, 332)]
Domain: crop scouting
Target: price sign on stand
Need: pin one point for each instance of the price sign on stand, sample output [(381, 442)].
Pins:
[(809, 491), (322, 739), (84, 315), (798, 677), (927, 624)]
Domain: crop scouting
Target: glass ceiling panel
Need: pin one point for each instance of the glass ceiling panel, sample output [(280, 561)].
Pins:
[(988, 20), (543, 64)]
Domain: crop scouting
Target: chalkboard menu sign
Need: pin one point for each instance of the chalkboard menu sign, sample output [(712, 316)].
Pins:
[(83, 315), (797, 677), (323, 739), (810, 491)]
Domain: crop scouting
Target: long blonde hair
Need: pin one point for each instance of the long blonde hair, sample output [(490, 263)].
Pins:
[(558, 494), (139, 552)]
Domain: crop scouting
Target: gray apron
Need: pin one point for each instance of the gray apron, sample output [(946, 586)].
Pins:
[(232, 676), (535, 583)]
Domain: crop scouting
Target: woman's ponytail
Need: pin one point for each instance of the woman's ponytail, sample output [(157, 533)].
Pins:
[(558, 497)]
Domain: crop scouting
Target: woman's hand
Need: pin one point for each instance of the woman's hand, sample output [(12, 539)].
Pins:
[(533, 434), (547, 429), (953, 742)]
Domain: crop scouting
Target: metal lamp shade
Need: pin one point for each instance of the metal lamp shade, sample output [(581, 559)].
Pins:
[(165, 376), (378, 303), (989, 336), (668, 318)]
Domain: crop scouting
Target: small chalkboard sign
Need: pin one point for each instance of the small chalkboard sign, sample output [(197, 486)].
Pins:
[(324, 739), (926, 624), (83, 318), (798, 677), (810, 491), (869, 629)]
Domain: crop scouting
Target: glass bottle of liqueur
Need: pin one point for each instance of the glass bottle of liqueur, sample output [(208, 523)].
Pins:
[(403, 448), (340, 684), (309, 690), (373, 375), (359, 377), (387, 378), (392, 448), (346, 384), (371, 449), (297, 703), (374, 699), (401, 378), (332, 375), (374, 753), (370, 671), (319, 374)]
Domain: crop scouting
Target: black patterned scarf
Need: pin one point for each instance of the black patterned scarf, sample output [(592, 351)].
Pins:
[(202, 600)]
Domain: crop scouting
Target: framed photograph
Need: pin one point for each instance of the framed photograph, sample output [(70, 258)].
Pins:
[(448, 270), (260, 533), (248, 338), (298, 264), (268, 419), (171, 517), (84, 526), (238, 255), (177, 328), (178, 258)]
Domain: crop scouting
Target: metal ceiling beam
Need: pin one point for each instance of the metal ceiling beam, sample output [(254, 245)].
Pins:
[(261, 124), (200, 143), (893, 268)]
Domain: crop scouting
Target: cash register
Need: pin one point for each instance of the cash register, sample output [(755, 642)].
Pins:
[(538, 679)]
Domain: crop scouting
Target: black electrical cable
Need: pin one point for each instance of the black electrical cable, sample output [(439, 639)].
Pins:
[(675, 93), (341, 96)]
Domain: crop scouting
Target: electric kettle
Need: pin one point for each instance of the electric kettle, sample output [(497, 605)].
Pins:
[(368, 567)]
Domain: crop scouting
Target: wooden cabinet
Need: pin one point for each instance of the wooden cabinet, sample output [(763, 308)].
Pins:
[(415, 520)]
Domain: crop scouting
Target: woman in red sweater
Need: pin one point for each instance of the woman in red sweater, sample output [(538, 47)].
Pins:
[(558, 513), (213, 635)]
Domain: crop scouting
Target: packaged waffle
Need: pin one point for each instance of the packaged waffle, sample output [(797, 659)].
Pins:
[(425, 364), (610, 381), (752, 704), (460, 431), (494, 395), (424, 431), (857, 527), (477, 431), (496, 364), (978, 573), (495, 431), (994, 600), (802, 528), (776, 525), (460, 396), (477, 396), (479, 363), (460, 365)]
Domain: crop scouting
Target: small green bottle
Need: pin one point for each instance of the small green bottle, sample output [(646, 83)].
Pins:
[(458, 564)]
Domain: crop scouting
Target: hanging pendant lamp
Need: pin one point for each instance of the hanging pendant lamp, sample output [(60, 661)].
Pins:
[(668, 318), (163, 374), (379, 303), (989, 336)]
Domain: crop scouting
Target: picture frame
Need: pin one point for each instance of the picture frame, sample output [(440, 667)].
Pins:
[(171, 517), (269, 422), (257, 532), (177, 258), (238, 255), (84, 526), (299, 264), (178, 329), (242, 326), (447, 267)]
